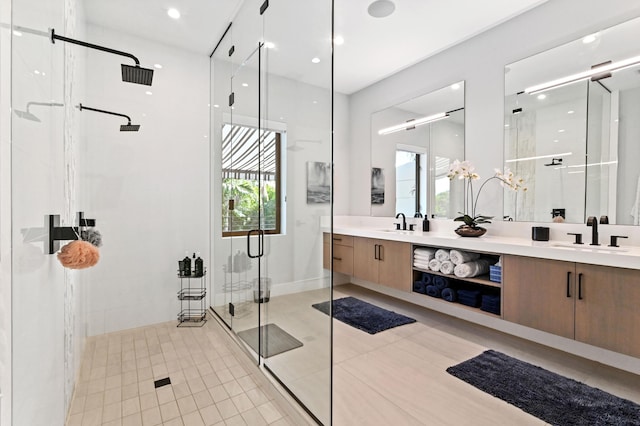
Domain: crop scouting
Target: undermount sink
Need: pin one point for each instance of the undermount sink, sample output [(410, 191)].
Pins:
[(396, 231), (586, 247)]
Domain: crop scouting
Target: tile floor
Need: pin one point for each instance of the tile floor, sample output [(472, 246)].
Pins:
[(212, 381), (394, 377)]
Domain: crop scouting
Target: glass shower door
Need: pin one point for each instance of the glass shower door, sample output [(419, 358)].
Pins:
[(297, 104)]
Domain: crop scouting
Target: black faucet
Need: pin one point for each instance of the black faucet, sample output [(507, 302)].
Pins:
[(404, 222), (593, 222)]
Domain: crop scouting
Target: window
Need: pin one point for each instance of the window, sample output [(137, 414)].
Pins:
[(250, 180), (410, 181)]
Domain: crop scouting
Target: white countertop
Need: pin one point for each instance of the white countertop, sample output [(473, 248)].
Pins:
[(622, 257)]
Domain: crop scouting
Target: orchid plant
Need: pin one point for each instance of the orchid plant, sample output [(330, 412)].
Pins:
[(465, 170)]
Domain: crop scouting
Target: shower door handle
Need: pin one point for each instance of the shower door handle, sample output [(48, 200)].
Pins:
[(260, 234)]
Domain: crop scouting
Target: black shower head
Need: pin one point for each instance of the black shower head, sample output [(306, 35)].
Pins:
[(130, 74), (129, 127), (137, 74)]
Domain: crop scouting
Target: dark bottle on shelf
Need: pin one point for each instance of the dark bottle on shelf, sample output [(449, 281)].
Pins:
[(198, 269), (186, 262)]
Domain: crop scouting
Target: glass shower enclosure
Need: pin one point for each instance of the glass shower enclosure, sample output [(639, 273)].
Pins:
[(271, 127)]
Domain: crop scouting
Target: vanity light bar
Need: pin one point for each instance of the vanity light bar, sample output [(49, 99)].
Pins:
[(539, 157), (413, 123), (570, 79)]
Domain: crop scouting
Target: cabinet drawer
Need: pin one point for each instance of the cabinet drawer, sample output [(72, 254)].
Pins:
[(343, 259), (339, 239)]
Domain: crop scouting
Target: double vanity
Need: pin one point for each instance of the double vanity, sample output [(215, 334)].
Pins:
[(580, 299)]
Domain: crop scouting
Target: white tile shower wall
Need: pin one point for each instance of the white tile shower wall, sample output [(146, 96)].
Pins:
[(42, 183), (480, 62), (147, 190), (5, 213)]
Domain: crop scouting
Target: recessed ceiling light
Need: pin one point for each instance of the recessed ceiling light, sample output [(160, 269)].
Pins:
[(269, 45), (245, 85), (338, 40), (381, 8), (570, 112), (17, 33), (590, 38), (148, 92), (216, 106), (561, 131), (36, 72), (455, 86), (555, 140), (157, 66), (173, 13), (542, 96), (315, 60), (506, 125)]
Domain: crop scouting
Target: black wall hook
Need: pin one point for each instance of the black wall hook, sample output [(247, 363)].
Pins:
[(59, 233)]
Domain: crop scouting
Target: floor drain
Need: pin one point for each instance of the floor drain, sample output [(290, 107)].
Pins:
[(162, 382)]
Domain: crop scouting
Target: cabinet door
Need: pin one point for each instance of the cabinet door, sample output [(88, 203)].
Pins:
[(539, 293), (607, 313), (365, 264), (394, 269)]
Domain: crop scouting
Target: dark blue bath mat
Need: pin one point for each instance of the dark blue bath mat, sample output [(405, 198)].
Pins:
[(549, 396), (362, 315)]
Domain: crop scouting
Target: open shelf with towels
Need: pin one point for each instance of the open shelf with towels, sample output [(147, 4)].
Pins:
[(478, 293)]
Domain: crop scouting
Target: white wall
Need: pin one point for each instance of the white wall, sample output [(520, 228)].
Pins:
[(147, 190), (5, 212), (628, 175), (47, 315), (480, 62)]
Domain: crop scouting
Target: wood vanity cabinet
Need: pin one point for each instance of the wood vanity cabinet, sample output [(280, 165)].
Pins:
[(342, 253), (593, 304), (383, 262)]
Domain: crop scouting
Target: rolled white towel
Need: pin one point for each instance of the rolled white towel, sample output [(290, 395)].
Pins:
[(447, 267), (459, 256), (421, 265), (423, 258), (442, 255), (434, 265), (471, 269), (423, 251)]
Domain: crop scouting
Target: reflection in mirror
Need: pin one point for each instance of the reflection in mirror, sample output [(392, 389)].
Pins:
[(570, 132), (412, 145)]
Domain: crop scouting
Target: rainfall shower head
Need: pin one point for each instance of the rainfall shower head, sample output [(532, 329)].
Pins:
[(137, 74), (130, 74), (129, 127), (124, 127), (28, 115)]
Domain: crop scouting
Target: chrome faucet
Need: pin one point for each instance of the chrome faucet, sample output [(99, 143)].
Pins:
[(404, 222), (593, 222)]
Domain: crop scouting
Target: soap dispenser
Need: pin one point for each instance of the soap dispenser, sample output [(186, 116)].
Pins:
[(425, 224)]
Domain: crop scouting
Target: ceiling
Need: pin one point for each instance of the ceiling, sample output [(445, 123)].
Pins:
[(374, 48)]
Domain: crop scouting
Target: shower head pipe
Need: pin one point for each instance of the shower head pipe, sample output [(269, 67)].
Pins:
[(55, 37), (130, 74), (124, 127)]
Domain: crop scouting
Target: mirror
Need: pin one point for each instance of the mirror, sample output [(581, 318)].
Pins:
[(571, 130), (412, 145)]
